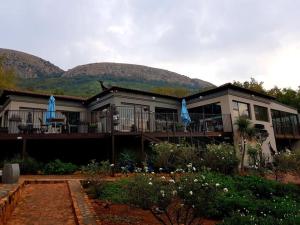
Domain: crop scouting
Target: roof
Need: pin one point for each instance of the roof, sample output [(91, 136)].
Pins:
[(228, 86), (134, 91), (7, 92)]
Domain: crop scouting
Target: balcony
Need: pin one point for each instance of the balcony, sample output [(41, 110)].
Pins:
[(124, 120)]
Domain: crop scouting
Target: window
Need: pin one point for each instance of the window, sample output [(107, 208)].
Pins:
[(241, 109), (261, 113)]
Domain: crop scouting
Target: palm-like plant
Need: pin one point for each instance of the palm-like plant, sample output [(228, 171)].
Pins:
[(246, 132)]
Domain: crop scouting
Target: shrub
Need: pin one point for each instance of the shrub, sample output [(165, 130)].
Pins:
[(59, 167), (174, 156), (96, 168), (127, 161), (27, 165), (239, 219), (221, 158), (189, 198), (287, 162)]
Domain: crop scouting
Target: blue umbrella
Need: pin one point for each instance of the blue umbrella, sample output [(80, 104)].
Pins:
[(51, 108), (185, 117)]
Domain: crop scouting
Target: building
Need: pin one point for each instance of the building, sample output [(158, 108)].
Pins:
[(125, 114)]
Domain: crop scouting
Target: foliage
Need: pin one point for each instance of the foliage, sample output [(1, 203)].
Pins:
[(127, 160), (237, 219), (95, 168), (108, 190), (252, 85), (189, 198), (59, 167), (246, 131), (286, 96), (253, 152), (170, 156), (286, 162), (172, 91), (221, 158), (7, 77), (185, 197), (27, 165)]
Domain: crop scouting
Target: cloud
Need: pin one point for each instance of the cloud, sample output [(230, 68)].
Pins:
[(218, 41)]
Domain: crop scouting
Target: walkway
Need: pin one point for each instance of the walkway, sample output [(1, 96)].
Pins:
[(44, 204)]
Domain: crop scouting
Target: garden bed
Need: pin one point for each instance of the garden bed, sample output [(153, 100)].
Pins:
[(235, 200), (123, 214)]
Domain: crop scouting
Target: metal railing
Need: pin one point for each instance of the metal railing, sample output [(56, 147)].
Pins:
[(287, 125), (122, 119)]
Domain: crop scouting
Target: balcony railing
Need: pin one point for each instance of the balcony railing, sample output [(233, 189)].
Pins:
[(286, 126), (122, 119)]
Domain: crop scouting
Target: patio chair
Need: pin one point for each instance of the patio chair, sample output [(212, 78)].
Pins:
[(43, 127)]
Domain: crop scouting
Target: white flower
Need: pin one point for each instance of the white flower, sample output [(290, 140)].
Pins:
[(225, 189), (162, 193), (191, 192), (152, 172), (172, 181), (150, 178), (189, 165), (150, 183), (196, 180), (217, 184), (171, 150), (194, 168), (163, 177), (172, 173), (160, 169), (112, 165)]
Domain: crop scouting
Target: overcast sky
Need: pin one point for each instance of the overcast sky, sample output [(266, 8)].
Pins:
[(215, 40)]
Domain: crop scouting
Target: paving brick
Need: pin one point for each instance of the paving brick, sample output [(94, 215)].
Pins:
[(44, 204)]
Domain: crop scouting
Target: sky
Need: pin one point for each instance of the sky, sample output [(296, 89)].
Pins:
[(214, 40)]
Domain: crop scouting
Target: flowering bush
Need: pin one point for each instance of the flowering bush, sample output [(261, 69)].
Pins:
[(286, 162), (221, 158), (170, 156), (178, 202)]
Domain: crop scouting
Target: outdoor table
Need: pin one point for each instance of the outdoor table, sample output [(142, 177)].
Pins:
[(57, 122)]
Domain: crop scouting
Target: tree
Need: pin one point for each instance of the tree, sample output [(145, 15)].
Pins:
[(252, 85), (286, 96), (7, 77), (246, 132)]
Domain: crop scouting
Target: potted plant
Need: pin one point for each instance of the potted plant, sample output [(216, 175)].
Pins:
[(92, 128)]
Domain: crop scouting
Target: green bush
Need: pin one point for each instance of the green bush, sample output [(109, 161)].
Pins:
[(221, 158), (145, 192), (59, 167), (174, 156), (239, 219), (96, 168), (27, 165)]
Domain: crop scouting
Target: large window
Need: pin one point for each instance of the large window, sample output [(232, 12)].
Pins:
[(241, 109), (261, 113)]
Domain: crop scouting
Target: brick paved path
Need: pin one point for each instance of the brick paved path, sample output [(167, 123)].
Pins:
[(44, 204)]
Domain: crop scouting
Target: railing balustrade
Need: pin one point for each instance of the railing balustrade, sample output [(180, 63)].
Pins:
[(121, 119)]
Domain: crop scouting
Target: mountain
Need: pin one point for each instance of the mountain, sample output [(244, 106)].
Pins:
[(134, 72), (38, 74), (28, 66)]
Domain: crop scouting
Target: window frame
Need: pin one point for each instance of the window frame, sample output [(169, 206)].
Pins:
[(262, 107), (237, 103)]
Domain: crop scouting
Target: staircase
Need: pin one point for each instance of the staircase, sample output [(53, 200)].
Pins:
[(151, 138)]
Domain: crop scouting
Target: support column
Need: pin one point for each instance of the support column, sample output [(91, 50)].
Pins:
[(24, 143)]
